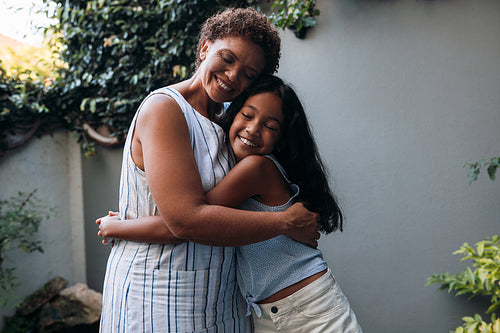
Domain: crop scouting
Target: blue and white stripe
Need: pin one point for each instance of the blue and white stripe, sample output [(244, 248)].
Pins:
[(173, 288)]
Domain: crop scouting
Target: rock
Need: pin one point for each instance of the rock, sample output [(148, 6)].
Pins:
[(72, 309), (52, 309), (42, 296)]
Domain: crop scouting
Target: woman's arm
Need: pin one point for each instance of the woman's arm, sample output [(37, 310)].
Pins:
[(254, 175), (163, 150)]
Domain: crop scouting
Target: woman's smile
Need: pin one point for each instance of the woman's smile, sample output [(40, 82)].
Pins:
[(224, 86)]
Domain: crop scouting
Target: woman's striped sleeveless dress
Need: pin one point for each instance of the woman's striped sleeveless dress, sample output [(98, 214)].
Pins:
[(173, 288)]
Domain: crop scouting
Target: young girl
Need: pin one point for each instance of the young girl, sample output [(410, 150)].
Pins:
[(286, 284)]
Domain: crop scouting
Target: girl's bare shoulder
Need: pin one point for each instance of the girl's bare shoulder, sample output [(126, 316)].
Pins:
[(265, 175), (259, 164)]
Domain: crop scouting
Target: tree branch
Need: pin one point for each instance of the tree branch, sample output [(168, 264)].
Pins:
[(105, 141)]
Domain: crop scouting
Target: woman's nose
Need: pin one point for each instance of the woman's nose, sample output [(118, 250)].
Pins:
[(232, 74)]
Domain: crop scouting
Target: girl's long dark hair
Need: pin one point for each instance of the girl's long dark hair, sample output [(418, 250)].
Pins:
[(296, 151)]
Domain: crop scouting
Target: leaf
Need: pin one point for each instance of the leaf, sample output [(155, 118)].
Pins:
[(496, 326), (492, 169), (480, 248)]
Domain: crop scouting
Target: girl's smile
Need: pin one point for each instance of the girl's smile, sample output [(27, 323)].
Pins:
[(256, 128)]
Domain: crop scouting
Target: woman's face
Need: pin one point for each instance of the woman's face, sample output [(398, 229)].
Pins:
[(257, 126), (229, 66)]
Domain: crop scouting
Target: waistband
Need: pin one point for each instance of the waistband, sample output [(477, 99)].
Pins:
[(301, 296)]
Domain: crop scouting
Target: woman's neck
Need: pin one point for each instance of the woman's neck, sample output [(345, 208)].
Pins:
[(194, 93)]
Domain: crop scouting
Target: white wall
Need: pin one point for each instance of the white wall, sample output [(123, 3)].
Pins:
[(52, 165), (400, 94)]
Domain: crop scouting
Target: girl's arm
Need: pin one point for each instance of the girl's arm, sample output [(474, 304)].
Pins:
[(162, 149), (147, 229)]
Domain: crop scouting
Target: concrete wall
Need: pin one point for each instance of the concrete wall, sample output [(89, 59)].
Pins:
[(102, 178), (400, 94), (52, 165)]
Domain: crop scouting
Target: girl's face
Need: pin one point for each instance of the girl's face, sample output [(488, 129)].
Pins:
[(229, 66), (257, 126)]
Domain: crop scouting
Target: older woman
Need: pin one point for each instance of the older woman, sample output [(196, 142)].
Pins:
[(174, 153)]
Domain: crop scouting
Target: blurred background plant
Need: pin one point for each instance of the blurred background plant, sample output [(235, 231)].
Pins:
[(101, 58), (296, 15), (20, 218), (483, 276)]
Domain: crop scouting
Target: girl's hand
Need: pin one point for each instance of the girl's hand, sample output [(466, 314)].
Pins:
[(302, 225), (103, 222)]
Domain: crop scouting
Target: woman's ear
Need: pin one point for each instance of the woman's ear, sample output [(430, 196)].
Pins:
[(205, 45)]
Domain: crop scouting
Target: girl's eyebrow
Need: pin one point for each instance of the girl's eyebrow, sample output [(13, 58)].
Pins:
[(255, 109), (249, 106)]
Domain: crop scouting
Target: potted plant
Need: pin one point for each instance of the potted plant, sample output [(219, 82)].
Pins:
[(297, 15)]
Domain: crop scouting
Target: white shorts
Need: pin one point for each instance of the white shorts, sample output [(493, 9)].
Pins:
[(319, 307)]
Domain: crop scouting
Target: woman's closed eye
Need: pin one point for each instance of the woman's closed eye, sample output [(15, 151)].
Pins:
[(226, 56)]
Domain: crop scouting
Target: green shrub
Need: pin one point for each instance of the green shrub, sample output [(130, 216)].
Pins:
[(22, 109), (483, 276), (20, 218)]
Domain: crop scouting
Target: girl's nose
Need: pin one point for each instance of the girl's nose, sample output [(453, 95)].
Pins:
[(252, 128)]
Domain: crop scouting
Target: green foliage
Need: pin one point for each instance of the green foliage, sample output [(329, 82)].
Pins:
[(477, 324), (473, 169), (117, 51), (298, 15), (109, 55), (484, 276), (21, 107), (482, 279), (20, 218)]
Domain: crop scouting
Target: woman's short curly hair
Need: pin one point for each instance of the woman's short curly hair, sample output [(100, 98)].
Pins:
[(249, 24)]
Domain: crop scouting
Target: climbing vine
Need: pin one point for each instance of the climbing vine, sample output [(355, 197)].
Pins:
[(113, 52)]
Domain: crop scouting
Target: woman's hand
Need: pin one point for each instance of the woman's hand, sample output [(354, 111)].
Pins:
[(302, 224), (103, 223), (147, 229)]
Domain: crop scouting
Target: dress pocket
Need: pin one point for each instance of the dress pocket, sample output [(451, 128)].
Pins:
[(182, 301)]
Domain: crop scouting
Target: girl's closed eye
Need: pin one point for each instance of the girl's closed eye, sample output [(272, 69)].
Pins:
[(272, 127), (250, 76)]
